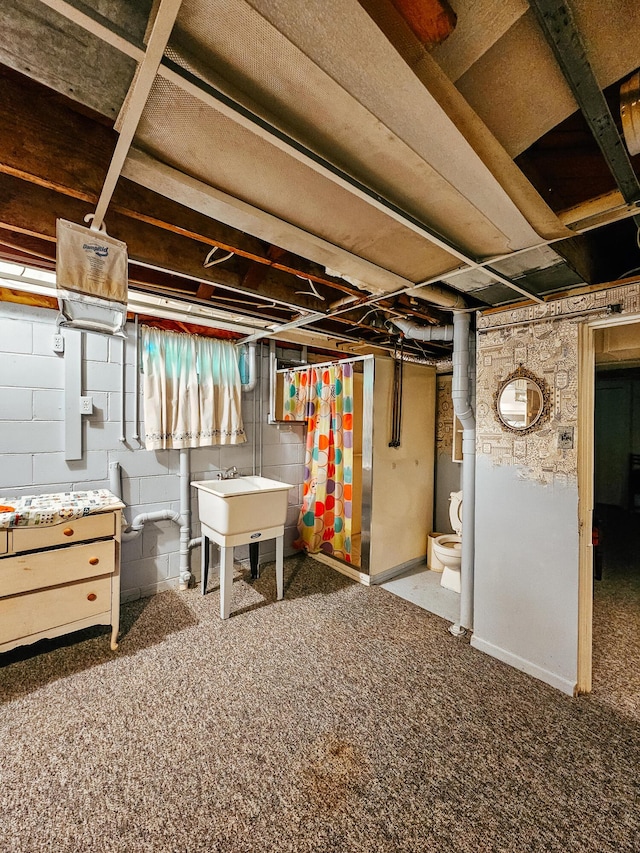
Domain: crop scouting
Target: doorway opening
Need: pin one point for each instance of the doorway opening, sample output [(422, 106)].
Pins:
[(609, 473)]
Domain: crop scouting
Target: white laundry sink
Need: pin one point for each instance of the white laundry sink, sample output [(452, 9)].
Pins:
[(242, 504)]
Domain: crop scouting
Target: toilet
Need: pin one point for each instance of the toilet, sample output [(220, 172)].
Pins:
[(448, 548)]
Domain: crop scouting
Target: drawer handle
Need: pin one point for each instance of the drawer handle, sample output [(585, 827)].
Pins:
[(68, 531), (94, 561), (92, 596)]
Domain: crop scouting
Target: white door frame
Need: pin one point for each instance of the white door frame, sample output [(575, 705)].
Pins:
[(586, 407)]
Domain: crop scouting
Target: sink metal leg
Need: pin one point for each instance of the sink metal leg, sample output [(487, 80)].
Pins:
[(226, 581), (254, 559), (279, 567), (204, 563)]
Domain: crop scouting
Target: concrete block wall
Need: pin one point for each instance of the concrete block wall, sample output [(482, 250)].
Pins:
[(32, 434)]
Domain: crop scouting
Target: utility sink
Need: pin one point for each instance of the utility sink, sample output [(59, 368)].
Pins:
[(242, 504)]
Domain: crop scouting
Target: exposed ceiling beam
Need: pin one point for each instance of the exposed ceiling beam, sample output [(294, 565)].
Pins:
[(557, 23), (213, 97), (33, 210), (431, 20), (136, 100), (47, 143), (92, 21)]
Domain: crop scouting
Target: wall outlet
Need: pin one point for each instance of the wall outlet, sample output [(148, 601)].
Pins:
[(58, 343), (86, 405)]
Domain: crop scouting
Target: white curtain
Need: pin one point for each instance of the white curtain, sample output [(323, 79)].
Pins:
[(192, 391)]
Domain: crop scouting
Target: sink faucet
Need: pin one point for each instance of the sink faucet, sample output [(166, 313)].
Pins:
[(229, 474)]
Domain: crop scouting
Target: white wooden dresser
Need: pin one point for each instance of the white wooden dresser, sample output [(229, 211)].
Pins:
[(60, 573)]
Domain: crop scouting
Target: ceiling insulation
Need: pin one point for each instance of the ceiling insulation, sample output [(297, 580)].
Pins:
[(328, 152)]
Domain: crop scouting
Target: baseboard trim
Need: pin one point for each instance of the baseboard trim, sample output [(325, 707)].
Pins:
[(562, 684), (387, 575), (343, 568)]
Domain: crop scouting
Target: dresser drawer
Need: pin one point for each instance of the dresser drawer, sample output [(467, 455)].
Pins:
[(26, 572), (22, 615), (77, 530)]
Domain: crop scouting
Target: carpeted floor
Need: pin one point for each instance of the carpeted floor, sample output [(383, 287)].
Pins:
[(340, 719), (616, 611)]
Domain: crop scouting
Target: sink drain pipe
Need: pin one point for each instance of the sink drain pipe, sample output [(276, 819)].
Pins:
[(182, 518), (461, 392)]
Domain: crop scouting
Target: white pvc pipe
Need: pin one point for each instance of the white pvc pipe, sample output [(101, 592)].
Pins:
[(140, 520), (136, 381), (185, 518), (115, 484), (461, 394), (253, 374), (123, 382)]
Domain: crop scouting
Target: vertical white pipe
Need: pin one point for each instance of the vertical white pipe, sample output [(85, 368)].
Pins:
[(136, 380), (115, 482), (261, 406), (257, 390), (123, 373), (185, 518), (73, 355), (461, 394), (251, 363)]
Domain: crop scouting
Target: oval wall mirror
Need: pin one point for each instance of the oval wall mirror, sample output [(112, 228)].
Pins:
[(522, 402)]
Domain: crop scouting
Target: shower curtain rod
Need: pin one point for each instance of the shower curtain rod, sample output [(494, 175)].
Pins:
[(324, 363)]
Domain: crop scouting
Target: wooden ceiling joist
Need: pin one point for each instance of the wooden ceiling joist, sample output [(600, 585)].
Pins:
[(45, 142), (432, 21), (32, 210)]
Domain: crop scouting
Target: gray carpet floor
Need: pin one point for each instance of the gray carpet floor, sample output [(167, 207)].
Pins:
[(616, 612), (340, 719)]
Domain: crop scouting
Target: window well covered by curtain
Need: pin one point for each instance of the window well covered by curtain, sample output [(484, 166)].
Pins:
[(325, 518), (192, 391)]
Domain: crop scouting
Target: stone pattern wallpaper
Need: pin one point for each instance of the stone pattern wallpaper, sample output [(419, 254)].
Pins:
[(444, 416), (543, 339)]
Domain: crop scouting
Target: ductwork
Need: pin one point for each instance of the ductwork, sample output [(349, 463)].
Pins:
[(440, 296), (423, 333)]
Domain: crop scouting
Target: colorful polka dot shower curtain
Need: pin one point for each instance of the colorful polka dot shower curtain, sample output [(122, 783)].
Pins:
[(324, 397)]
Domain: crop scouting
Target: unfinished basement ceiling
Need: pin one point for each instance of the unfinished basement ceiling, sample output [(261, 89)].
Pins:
[(351, 170)]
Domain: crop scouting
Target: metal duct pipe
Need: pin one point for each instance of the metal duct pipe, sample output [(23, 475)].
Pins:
[(434, 294), (423, 333), (461, 393)]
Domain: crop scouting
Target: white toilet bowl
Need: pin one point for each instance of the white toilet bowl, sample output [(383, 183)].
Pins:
[(448, 547)]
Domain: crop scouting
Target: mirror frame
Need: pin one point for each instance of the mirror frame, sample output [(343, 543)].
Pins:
[(545, 410)]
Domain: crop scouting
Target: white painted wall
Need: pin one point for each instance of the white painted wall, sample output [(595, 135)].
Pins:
[(32, 443), (526, 591)]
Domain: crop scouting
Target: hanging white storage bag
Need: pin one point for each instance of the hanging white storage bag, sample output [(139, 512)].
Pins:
[(91, 277)]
